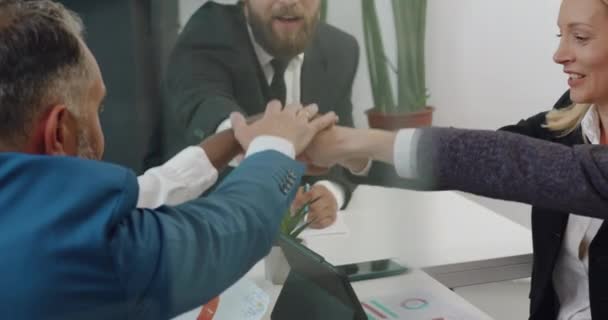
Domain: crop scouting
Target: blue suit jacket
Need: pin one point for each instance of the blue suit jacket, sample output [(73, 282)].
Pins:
[(74, 246)]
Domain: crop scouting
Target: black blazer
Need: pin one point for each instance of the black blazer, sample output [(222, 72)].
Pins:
[(548, 228), (214, 71)]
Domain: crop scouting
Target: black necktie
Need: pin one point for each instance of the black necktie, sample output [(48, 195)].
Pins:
[(278, 90)]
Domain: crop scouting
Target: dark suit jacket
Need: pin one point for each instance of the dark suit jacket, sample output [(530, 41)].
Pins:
[(548, 228), (214, 71), (556, 178)]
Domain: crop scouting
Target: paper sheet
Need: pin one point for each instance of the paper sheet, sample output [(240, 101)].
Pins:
[(338, 228), (413, 305), (244, 300)]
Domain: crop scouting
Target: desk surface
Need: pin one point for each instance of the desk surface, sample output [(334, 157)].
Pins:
[(381, 287), (422, 229)]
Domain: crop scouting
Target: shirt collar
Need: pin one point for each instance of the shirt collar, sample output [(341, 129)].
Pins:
[(590, 126), (264, 58)]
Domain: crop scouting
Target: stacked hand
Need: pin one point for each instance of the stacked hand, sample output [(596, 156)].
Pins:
[(296, 124), (336, 146), (319, 143), (299, 125), (326, 148)]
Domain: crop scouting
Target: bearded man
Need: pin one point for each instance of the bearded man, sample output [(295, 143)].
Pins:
[(239, 57)]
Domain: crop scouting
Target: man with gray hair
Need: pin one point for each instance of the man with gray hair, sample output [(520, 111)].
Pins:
[(85, 251)]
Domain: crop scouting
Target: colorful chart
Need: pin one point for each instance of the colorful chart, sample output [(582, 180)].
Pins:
[(415, 304), (378, 310)]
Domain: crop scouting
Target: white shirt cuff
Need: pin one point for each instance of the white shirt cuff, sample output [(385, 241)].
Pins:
[(263, 143), (404, 153), (184, 177), (335, 189), (226, 124), (363, 172)]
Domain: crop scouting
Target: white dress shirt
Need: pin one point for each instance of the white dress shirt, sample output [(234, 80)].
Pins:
[(190, 173), (571, 273), (293, 75)]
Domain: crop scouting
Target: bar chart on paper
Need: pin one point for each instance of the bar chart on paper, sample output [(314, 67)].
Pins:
[(413, 306)]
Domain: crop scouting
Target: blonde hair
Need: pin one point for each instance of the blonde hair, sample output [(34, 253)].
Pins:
[(564, 121)]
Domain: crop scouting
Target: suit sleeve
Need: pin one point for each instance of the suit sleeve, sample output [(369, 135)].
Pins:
[(512, 167), (174, 259), (199, 85), (382, 174), (344, 110)]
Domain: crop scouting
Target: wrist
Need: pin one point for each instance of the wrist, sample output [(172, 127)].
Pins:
[(361, 144), (276, 143), (355, 164), (380, 145), (221, 148), (352, 145)]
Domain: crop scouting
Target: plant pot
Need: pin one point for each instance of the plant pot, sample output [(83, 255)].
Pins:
[(276, 266), (396, 121)]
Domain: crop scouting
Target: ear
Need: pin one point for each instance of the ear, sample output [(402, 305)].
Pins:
[(59, 132)]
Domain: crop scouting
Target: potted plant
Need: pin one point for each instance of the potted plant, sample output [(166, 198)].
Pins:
[(408, 108), (276, 266), (323, 10)]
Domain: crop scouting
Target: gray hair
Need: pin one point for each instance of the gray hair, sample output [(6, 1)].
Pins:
[(42, 63)]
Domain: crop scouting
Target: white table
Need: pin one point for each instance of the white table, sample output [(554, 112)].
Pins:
[(456, 240), (379, 287)]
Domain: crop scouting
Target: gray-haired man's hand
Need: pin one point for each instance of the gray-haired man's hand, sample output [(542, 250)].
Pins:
[(295, 123)]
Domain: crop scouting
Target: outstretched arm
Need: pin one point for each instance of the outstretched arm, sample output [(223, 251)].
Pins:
[(173, 259), (500, 165), (513, 167), (190, 173)]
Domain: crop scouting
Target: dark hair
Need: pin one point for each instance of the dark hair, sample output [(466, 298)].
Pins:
[(41, 63)]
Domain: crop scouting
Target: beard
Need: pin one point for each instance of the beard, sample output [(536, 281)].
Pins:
[(85, 148), (283, 46)]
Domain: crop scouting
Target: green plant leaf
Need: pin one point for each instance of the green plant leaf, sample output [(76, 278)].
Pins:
[(410, 28), (291, 221), (323, 10), (382, 90), (299, 230)]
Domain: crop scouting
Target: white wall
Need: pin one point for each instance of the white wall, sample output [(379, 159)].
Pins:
[(488, 62)]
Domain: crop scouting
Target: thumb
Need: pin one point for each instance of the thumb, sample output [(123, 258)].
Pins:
[(324, 122), (302, 157), (298, 200), (237, 120)]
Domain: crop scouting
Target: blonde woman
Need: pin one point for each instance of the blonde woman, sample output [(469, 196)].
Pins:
[(565, 181), (570, 279)]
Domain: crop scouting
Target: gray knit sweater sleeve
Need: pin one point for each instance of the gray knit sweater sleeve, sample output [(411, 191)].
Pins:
[(514, 167)]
